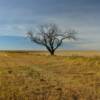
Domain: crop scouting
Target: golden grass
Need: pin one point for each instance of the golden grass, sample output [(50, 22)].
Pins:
[(71, 75)]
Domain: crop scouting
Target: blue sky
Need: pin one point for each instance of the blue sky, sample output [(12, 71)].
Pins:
[(19, 16)]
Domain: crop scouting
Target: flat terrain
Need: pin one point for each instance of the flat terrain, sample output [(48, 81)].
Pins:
[(70, 75)]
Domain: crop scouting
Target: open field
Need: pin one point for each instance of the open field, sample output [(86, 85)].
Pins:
[(70, 75)]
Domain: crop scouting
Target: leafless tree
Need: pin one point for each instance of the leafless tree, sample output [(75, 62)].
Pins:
[(51, 37)]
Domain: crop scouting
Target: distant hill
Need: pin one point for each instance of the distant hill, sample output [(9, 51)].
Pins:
[(23, 43), (17, 43)]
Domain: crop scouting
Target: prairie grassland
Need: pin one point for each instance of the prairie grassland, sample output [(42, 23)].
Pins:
[(71, 75)]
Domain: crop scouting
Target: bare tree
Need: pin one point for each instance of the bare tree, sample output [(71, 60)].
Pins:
[(51, 37)]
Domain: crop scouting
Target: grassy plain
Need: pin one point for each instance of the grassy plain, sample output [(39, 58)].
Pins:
[(70, 75)]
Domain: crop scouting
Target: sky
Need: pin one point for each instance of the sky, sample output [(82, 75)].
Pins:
[(19, 16)]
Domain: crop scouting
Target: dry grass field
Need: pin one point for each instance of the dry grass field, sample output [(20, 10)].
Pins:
[(70, 75)]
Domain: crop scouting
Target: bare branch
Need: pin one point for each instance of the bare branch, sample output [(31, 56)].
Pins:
[(49, 36)]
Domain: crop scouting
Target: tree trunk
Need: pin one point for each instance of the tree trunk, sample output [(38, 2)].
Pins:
[(52, 53)]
